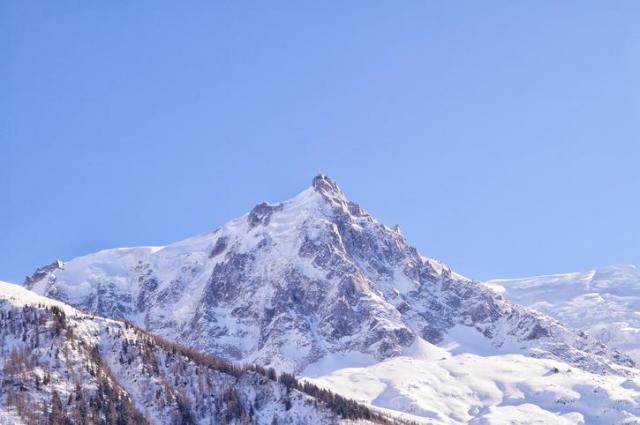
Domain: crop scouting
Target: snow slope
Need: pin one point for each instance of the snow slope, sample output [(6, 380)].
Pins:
[(441, 387), (604, 302), (102, 370)]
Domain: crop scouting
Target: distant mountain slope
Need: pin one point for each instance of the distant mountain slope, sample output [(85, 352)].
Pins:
[(61, 366), (604, 302)]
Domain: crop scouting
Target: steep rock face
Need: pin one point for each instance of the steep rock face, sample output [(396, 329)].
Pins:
[(291, 283)]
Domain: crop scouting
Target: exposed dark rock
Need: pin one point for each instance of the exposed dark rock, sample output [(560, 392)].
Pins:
[(261, 214), (219, 247), (42, 272)]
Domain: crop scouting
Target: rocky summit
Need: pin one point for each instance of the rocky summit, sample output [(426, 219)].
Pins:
[(291, 283)]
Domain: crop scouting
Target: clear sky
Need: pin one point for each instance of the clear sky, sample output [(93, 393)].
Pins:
[(503, 137)]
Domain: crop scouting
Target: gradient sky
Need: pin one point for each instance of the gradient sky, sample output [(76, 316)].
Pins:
[(503, 137)]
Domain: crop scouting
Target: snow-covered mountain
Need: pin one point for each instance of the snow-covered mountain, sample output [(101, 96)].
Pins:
[(62, 366), (603, 302), (290, 283), (318, 286)]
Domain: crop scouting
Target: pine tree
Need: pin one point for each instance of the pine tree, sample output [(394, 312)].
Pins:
[(57, 415)]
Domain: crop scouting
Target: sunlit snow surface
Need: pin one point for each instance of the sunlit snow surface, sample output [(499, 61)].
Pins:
[(455, 385), (604, 302)]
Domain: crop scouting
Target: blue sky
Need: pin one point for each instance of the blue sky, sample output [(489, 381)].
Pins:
[(503, 137)]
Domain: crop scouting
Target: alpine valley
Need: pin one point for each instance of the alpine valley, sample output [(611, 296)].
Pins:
[(213, 329)]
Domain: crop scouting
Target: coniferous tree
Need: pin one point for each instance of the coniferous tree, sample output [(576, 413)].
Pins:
[(57, 415)]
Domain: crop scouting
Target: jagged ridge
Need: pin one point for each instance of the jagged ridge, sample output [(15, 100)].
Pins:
[(289, 283)]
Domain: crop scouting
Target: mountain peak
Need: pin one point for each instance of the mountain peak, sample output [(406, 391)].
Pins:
[(332, 193), (326, 187), (322, 181)]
